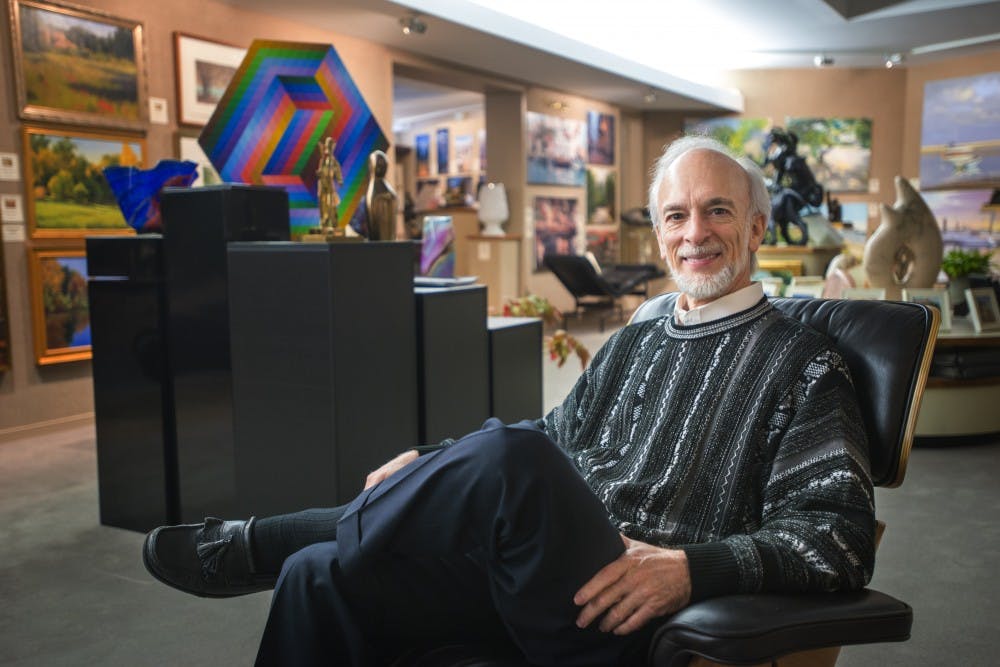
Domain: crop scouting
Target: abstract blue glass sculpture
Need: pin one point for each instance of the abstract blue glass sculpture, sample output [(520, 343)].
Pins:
[(138, 190)]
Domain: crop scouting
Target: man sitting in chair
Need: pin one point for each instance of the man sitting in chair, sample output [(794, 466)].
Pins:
[(713, 451)]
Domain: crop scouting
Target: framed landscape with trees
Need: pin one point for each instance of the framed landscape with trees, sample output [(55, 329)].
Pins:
[(77, 65), (67, 194), (59, 305)]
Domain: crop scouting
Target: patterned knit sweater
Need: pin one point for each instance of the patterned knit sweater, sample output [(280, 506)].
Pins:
[(738, 440)]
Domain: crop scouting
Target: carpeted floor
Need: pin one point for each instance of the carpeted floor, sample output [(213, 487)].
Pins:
[(75, 592)]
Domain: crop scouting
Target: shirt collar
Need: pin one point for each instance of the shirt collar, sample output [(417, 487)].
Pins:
[(724, 306)]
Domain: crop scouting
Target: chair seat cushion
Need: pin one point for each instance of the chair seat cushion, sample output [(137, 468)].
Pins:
[(748, 629)]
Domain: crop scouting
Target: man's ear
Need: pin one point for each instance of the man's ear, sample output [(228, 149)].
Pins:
[(758, 227)]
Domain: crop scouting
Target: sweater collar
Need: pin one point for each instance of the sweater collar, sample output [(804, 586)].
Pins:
[(730, 304)]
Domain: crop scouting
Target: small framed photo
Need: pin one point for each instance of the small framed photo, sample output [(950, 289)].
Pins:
[(60, 310), (773, 286), (67, 194), (983, 309), (807, 290), (932, 297), (865, 293), (78, 65), (203, 69)]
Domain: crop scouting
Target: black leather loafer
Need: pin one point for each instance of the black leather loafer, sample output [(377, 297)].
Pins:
[(210, 559)]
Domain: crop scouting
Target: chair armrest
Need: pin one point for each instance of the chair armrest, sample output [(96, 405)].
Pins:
[(750, 629)]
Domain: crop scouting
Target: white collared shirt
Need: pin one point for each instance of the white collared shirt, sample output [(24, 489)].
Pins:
[(724, 306)]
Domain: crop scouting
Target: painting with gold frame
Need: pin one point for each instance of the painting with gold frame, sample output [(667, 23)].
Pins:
[(78, 65), (60, 313), (68, 195)]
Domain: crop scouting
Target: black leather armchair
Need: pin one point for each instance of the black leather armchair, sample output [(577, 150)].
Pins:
[(604, 289), (888, 347)]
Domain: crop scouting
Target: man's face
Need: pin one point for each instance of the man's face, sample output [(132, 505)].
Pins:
[(706, 233)]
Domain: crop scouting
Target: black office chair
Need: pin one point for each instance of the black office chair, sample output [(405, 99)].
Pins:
[(888, 347), (603, 289)]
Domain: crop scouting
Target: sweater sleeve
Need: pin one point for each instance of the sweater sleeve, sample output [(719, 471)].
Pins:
[(817, 523)]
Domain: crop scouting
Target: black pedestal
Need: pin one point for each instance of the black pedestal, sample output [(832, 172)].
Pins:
[(198, 223), (452, 361), (515, 368), (133, 400), (324, 374)]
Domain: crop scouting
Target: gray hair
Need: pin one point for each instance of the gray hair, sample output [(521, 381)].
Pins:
[(760, 200)]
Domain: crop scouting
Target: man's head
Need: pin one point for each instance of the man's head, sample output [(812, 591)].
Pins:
[(709, 211)]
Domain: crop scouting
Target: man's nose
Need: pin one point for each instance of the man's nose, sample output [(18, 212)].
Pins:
[(697, 228)]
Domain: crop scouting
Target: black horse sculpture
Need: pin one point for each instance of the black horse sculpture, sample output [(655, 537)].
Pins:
[(794, 187)]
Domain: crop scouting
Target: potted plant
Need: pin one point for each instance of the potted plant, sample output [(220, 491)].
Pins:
[(560, 345), (959, 264)]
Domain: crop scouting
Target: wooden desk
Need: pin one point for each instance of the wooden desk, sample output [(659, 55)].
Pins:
[(961, 406)]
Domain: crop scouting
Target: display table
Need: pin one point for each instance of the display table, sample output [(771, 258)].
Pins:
[(962, 396)]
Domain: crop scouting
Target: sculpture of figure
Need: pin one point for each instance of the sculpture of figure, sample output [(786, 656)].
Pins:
[(380, 199), (328, 178), (906, 249), (794, 187)]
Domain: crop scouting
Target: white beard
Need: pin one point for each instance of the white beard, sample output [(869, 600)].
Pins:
[(705, 287)]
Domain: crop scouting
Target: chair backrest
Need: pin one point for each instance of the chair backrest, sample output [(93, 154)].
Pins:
[(888, 347), (577, 275)]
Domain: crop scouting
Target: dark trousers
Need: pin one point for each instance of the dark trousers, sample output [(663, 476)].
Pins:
[(488, 539)]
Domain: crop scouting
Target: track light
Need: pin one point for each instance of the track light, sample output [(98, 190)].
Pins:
[(649, 97), (412, 25), (822, 60), (893, 60)]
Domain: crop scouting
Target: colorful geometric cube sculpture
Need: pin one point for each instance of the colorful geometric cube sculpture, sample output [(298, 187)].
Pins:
[(269, 126)]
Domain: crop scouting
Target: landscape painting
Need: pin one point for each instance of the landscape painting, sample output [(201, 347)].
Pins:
[(601, 196), (837, 150), (744, 136), (964, 217), (67, 192), (960, 134), (60, 308), (78, 66)]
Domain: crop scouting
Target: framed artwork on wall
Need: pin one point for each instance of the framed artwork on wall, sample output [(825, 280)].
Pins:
[(600, 138), (966, 217), (443, 146), (932, 297), (423, 148), (188, 148), (601, 195), (4, 326), (67, 194), (78, 65), (463, 154), (557, 150), (555, 227), (203, 69), (744, 136), (60, 312), (837, 150)]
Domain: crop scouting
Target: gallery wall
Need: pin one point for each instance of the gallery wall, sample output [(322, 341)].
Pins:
[(32, 395)]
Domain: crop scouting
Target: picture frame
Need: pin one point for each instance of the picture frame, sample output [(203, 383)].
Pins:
[(983, 309), (772, 286), (188, 148), (862, 293), (60, 313), (66, 192), (55, 44), (555, 227), (804, 290), (932, 297), (203, 69)]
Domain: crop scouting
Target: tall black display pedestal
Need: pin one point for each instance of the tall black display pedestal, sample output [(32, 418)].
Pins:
[(198, 224), (133, 397), (324, 374), (515, 368), (452, 361)]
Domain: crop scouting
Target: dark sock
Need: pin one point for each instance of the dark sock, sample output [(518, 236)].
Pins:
[(275, 538)]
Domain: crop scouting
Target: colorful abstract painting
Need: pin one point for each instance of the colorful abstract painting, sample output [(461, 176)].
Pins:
[(557, 150), (837, 150), (269, 126), (960, 134), (745, 136), (437, 253)]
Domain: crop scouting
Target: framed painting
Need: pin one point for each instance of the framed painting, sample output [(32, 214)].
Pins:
[(443, 149), (932, 297), (600, 138), (557, 150), (78, 65), (983, 309), (67, 192), (865, 293), (744, 136), (463, 154), (555, 227), (601, 195), (203, 70), (188, 148), (60, 314), (837, 150), (423, 148), (4, 326)]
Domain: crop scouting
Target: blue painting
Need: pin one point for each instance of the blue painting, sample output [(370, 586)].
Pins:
[(960, 134), (557, 150)]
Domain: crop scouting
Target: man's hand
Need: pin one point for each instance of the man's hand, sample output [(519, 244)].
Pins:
[(376, 476), (643, 583)]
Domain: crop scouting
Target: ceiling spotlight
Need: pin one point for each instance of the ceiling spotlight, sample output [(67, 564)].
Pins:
[(649, 97), (412, 25), (558, 105), (822, 60), (894, 60)]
